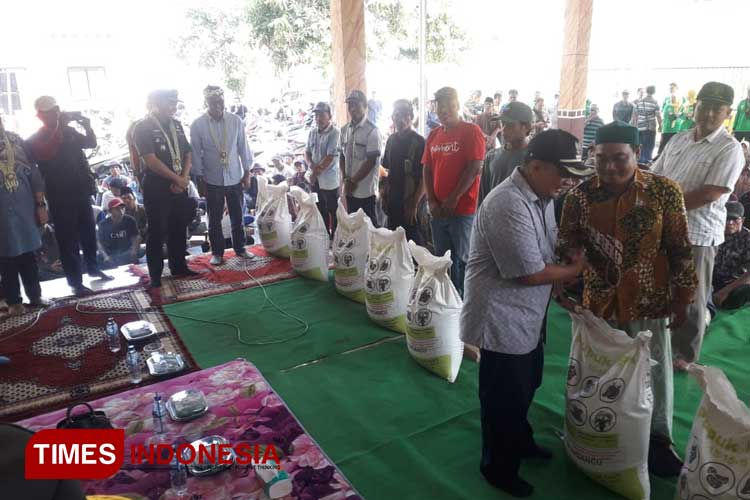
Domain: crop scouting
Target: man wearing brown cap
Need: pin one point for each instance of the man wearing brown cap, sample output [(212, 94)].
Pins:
[(161, 141), (633, 228), (360, 147), (516, 121), (58, 150), (403, 160), (706, 162), (509, 279)]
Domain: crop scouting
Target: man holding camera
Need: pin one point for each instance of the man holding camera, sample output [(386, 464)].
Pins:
[(58, 150)]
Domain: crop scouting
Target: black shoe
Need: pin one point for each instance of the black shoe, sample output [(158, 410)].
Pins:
[(538, 452), (514, 486), (155, 283), (185, 273), (101, 275), (663, 461), (81, 290)]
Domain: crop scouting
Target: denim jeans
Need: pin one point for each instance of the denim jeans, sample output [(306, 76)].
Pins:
[(648, 140), (454, 234)]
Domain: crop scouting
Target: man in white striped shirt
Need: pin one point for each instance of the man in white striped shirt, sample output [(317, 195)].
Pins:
[(706, 162)]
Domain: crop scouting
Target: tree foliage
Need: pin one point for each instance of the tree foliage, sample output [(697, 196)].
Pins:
[(393, 32), (218, 39), (296, 32), (291, 32)]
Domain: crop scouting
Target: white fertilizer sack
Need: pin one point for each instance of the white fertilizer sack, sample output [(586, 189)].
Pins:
[(609, 405), (388, 279), (717, 459), (433, 316), (274, 221), (351, 242), (309, 241)]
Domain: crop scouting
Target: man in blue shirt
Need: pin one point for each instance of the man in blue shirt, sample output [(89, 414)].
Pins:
[(22, 211), (221, 162), (323, 157)]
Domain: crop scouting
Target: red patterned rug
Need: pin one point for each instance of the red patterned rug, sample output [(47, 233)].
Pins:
[(62, 356), (215, 280)]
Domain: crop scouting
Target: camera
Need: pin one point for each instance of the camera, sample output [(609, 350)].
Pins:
[(70, 116)]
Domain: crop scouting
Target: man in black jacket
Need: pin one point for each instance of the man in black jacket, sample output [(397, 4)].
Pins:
[(58, 150)]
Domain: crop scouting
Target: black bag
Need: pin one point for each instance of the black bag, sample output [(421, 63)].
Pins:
[(93, 419)]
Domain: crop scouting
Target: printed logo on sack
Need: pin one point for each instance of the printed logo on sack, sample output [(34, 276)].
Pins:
[(716, 478), (98, 454)]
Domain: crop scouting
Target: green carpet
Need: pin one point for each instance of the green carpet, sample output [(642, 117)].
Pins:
[(395, 430)]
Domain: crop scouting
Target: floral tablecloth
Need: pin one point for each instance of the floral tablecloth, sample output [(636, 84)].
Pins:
[(242, 407)]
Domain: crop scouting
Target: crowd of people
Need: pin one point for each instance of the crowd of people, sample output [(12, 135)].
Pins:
[(643, 244)]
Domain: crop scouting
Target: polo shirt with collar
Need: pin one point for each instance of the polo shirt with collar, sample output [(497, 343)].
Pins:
[(322, 143), (360, 142), (500, 314), (715, 160)]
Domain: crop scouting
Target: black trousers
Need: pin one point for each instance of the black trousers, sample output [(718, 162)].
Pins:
[(507, 384), (665, 137), (396, 218), (328, 200), (215, 198), (366, 204), (742, 136), (11, 268), (167, 215), (75, 230)]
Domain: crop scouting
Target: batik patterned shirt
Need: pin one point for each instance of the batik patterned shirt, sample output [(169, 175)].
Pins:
[(637, 247), (732, 259)]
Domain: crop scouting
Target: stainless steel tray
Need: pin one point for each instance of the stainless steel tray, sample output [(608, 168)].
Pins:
[(137, 330), (186, 405), (206, 469), (164, 363)]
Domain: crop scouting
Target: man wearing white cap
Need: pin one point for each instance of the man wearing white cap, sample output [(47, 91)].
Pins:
[(221, 162), (58, 150)]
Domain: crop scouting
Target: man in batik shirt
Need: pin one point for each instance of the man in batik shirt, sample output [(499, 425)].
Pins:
[(731, 276), (633, 226)]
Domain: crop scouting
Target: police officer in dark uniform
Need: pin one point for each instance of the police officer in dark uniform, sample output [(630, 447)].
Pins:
[(161, 142)]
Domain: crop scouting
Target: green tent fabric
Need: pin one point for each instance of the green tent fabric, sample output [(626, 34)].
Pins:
[(396, 430)]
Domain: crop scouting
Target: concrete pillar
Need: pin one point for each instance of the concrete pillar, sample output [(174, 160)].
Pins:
[(575, 66), (349, 56)]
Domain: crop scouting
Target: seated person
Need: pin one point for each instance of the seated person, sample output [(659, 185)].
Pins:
[(299, 179), (116, 186), (731, 278), (118, 237), (251, 193), (48, 256), (114, 173), (136, 211)]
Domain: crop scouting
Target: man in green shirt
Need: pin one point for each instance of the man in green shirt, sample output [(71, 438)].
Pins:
[(671, 112), (742, 120)]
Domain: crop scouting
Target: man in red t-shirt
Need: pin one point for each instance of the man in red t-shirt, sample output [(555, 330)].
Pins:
[(452, 161)]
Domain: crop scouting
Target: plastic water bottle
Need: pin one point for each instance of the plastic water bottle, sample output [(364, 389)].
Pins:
[(113, 335), (157, 412), (178, 475), (133, 360)]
